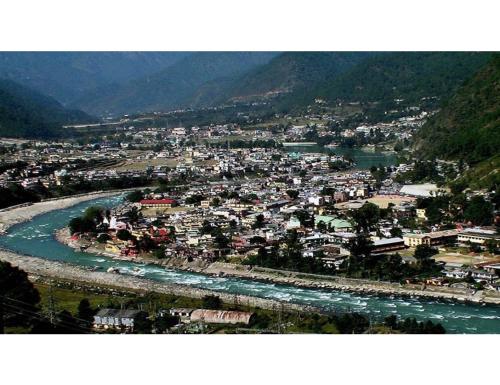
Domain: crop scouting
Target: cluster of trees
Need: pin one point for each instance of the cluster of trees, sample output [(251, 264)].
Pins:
[(88, 222), (366, 217), (15, 194), (457, 208), (83, 186), (290, 257), (363, 264), (412, 326), (135, 196), (20, 307), (220, 239), (423, 171)]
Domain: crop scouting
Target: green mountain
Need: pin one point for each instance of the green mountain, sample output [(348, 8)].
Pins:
[(66, 76), (467, 127), (27, 113), (295, 79), (402, 75), (174, 87), (293, 73)]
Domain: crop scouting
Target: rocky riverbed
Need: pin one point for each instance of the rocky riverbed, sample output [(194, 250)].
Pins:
[(39, 267)]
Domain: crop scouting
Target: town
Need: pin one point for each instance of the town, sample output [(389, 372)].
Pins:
[(219, 198)]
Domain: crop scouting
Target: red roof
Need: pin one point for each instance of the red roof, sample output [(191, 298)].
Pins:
[(166, 201)]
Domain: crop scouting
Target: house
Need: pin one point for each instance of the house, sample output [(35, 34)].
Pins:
[(221, 316), (387, 244), (477, 236), (332, 223), (116, 319), (293, 223), (340, 196), (157, 203), (421, 214), (184, 314), (430, 239)]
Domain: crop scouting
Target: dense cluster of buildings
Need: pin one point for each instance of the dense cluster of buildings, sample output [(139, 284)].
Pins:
[(223, 200)]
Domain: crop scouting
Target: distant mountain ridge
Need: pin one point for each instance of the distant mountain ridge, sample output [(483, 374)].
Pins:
[(66, 76), (29, 114), (128, 82), (173, 87), (296, 79), (293, 70)]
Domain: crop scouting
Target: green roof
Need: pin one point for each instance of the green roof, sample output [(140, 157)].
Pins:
[(332, 221)]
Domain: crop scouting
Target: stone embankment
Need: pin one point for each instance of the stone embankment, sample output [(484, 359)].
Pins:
[(353, 285)]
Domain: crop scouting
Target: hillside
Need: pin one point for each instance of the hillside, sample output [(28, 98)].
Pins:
[(66, 76), (468, 126), (29, 114), (402, 75), (173, 87), (293, 72)]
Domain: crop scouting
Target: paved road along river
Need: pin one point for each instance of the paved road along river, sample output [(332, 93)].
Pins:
[(37, 238)]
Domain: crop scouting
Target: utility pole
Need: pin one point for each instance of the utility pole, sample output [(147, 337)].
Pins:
[(52, 306)]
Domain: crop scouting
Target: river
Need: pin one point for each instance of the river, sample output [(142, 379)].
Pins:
[(363, 158), (36, 238)]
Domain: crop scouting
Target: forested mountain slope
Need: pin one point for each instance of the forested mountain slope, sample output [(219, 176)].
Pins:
[(467, 128), (27, 113)]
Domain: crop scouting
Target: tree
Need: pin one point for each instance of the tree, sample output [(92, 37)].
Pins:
[(479, 211), (133, 215), (293, 194), (159, 253), (135, 196), (351, 323), (85, 311), (94, 214), (123, 235), (423, 254), (493, 246), (142, 324), (221, 240), (305, 218), (81, 225), (366, 217), (161, 324), (321, 226), (212, 302), (396, 232), (259, 222), (360, 248), (17, 296), (103, 238)]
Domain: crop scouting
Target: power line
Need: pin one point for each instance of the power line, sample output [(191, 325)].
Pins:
[(89, 323), (65, 324)]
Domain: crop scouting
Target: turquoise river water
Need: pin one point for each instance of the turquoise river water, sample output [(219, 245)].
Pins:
[(36, 238)]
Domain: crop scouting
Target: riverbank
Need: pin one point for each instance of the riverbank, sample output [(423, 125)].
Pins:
[(39, 267), (11, 216), (294, 279), (313, 281)]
